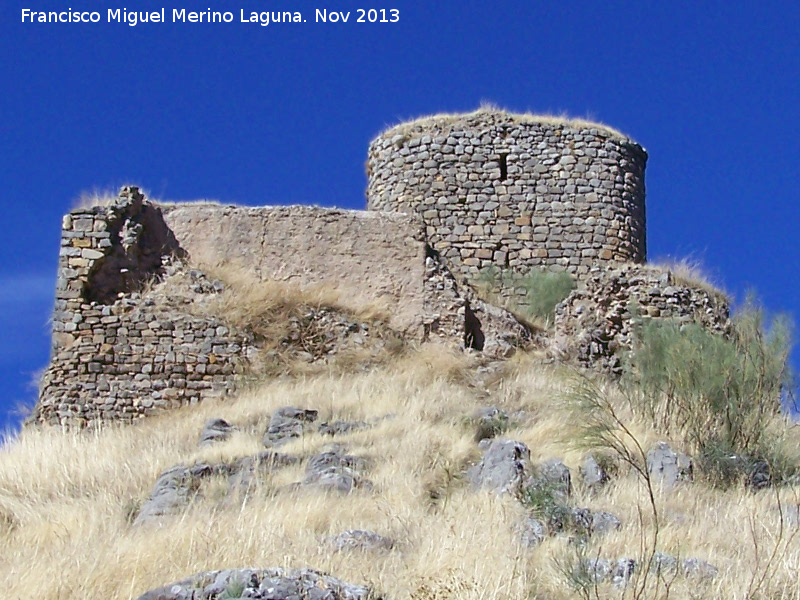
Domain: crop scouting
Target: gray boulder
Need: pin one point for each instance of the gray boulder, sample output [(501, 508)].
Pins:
[(360, 539), (532, 532), (578, 520), (556, 476), (599, 570), (176, 487), (172, 492), (551, 484), (332, 470), (594, 570), (581, 521), (243, 474), (695, 567), (342, 427), (663, 564), (622, 571), (603, 522), (215, 430), (592, 474), (287, 423), (502, 467), (666, 564), (669, 467), (266, 584)]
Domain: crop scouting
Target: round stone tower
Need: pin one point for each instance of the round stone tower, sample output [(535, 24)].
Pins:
[(514, 191)]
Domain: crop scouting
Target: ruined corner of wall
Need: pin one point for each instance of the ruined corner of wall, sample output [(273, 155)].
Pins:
[(455, 314), (117, 353), (597, 323)]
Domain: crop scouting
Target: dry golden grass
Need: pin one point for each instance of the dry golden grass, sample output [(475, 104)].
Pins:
[(107, 196), (691, 273), (248, 297), (284, 319), (66, 498), (95, 197), (168, 204), (444, 120)]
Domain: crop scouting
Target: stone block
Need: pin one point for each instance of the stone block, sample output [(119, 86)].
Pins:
[(91, 254)]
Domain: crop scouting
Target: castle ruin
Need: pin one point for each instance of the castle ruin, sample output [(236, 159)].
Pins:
[(447, 197)]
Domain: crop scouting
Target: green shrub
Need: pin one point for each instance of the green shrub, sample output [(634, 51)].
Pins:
[(717, 392), (234, 589), (542, 290), (488, 281), (545, 500)]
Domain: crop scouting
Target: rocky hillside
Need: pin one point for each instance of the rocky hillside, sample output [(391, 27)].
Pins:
[(432, 475)]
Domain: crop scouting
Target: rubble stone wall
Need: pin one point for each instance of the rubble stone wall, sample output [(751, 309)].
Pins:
[(596, 323), (115, 355)]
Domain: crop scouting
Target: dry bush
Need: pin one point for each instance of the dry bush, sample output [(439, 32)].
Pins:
[(102, 197), (95, 197)]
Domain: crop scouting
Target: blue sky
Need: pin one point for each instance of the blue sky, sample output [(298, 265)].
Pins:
[(283, 114)]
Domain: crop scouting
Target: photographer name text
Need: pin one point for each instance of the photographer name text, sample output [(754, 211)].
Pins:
[(181, 15)]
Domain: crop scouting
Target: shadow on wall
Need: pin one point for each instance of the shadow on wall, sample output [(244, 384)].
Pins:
[(473, 332), (139, 240)]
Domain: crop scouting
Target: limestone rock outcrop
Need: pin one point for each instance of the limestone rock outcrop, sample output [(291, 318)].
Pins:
[(266, 584)]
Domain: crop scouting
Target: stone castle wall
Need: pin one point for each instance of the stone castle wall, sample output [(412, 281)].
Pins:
[(121, 350), (114, 355), (448, 197), (513, 192), (369, 258)]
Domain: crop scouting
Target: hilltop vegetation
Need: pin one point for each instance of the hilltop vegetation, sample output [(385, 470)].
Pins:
[(69, 500)]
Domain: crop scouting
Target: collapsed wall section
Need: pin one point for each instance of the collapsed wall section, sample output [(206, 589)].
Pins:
[(514, 192), (370, 258), (596, 325), (116, 354)]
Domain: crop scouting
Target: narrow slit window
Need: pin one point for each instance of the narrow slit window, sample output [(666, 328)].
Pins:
[(503, 166)]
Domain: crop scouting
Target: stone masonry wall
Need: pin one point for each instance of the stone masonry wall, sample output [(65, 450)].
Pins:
[(115, 355), (127, 343), (596, 323), (130, 360), (369, 257), (514, 192)]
